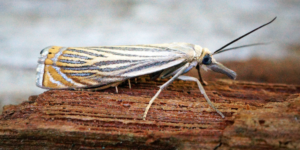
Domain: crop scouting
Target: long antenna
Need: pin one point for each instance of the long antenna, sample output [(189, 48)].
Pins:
[(238, 47), (220, 49)]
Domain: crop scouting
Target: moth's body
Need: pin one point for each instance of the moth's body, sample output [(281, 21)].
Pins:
[(106, 66), (85, 67)]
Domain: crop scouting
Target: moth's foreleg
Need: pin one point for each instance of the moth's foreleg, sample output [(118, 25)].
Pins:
[(187, 78), (164, 86), (200, 77)]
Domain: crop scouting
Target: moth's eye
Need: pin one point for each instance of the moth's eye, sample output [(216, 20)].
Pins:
[(206, 60)]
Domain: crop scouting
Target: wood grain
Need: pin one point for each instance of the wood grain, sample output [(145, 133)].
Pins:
[(258, 116)]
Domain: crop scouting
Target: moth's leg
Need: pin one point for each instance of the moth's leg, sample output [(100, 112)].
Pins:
[(135, 79), (164, 86), (117, 89), (79, 89), (200, 77), (99, 88), (129, 84), (187, 78)]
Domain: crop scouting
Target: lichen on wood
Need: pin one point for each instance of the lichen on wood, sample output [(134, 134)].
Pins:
[(257, 115)]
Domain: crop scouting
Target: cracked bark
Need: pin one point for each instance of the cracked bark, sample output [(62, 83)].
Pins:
[(258, 115)]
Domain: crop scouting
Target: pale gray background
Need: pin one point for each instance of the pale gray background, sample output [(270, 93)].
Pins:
[(26, 27)]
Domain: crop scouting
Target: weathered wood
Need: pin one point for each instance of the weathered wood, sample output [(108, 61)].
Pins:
[(258, 115)]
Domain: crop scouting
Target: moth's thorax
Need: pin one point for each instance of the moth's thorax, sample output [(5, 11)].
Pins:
[(198, 51)]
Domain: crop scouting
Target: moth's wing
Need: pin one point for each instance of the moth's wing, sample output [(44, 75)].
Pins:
[(83, 67)]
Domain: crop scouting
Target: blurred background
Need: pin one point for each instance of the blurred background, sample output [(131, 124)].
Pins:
[(26, 27)]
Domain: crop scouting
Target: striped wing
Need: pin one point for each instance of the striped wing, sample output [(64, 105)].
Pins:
[(83, 67)]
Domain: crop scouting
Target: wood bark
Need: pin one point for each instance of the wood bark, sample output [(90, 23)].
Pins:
[(258, 116)]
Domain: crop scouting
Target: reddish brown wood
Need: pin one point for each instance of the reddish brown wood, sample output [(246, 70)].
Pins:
[(257, 116)]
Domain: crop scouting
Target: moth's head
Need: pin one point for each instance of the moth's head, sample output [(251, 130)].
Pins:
[(206, 60)]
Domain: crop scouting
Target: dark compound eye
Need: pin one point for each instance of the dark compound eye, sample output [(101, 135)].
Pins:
[(206, 60)]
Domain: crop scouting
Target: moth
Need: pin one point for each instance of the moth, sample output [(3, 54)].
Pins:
[(108, 66)]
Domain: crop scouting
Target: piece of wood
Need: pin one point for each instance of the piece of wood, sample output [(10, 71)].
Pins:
[(258, 116)]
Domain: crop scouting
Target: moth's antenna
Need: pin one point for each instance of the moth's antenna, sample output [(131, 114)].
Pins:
[(220, 49), (238, 47)]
